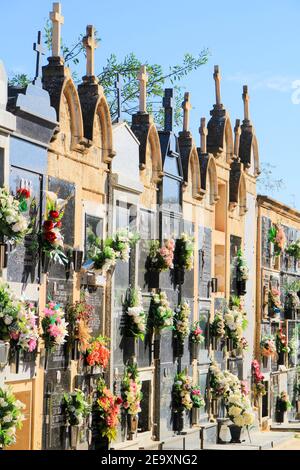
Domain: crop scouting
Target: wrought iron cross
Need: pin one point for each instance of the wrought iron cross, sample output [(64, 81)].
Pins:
[(118, 85), (38, 48), (168, 105)]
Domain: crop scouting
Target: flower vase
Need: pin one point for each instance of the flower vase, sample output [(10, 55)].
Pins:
[(75, 351), (281, 358), (280, 415), (195, 350), (195, 415), (4, 352), (74, 436), (178, 421), (235, 432), (241, 287), (156, 345), (215, 406), (132, 425), (298, 406), (4, 248)]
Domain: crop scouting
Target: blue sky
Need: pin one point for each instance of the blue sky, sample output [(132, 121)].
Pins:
[(255, 43)]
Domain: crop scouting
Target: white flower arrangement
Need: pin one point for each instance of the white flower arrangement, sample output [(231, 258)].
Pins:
[(161, 312), (235, 322), (242, 267), (136, 318), (181, 321), (13, 224), (11, 417)]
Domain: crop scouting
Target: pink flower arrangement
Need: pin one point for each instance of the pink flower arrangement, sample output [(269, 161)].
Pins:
[(197, 333), (25, 331), (258, 379), (161, 258), (54, 325), (244, 388)]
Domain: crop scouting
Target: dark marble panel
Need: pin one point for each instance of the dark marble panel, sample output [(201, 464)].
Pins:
[(60, 291), (56, 383), (168, 372), (23, 260), (265, 244), (204, 253)]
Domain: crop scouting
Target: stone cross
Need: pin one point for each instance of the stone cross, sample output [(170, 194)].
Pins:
[(57, 20), (217, 78), (118, 85), (143, 79), (168, 105), (38, 48), (186, 106), (90, 43), (237, 133), (246, 103), (203, 134)]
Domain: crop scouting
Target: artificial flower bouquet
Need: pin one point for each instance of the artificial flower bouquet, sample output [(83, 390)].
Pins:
[(197, 398), (11, 417), (222, 382), (283, 402), (258, 379), (9, 311), (274, 302), (79, 316), (52, 240), (75, 408), (277, 238), (13, 224), (107, 411), (239, 409), (281, 342), (161, 314), (196, 333), (135, 315), (217, 326), (235, 322), (24, 332), (161, 258), (105, 253), (184, 252), (242, 267), (181, 321), (97, 353), (294, 249), (131, 390), (181, 395), (55, 327), (268, 346)]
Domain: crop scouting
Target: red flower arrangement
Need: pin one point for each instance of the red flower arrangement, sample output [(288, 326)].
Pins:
[(51, 237), (22, 195), (258, 379), (107, 410), (97, 354)]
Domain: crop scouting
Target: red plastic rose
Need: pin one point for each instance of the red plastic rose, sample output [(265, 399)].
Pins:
[(50, 236), (48, 225), (54, 214)]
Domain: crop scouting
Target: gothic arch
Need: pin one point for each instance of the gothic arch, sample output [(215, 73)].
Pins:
[(194, 176), (152, 142), (242, 195), (212, 178), (102, 111), (228, 141), (255, 155), (69, 93)]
